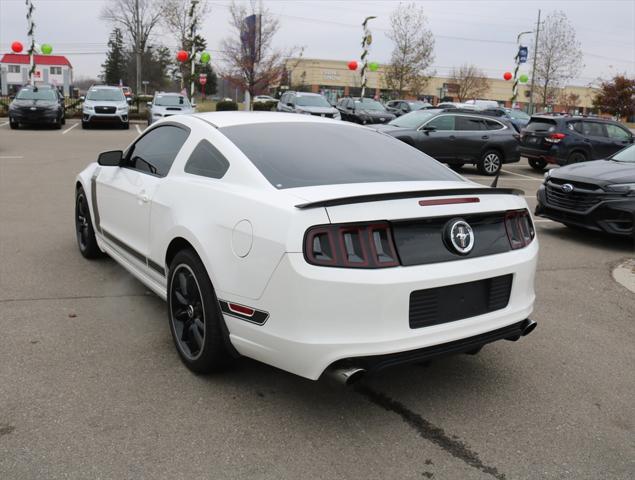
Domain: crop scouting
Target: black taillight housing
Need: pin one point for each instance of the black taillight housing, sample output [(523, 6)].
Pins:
[(353, 245), (520, 228)]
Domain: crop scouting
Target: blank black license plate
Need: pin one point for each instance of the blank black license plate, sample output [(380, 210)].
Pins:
[(434, 306)]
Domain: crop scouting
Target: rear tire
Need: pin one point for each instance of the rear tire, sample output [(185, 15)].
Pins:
[(194, 315), (490, 163), (537, 164), (86, 240), (576, 157)]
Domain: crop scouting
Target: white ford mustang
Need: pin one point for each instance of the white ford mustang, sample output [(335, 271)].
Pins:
[(309, 244)]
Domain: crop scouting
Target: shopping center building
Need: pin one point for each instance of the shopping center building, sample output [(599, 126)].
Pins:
[(333, 79)]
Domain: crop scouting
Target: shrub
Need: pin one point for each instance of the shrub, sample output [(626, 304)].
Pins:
[(266, 106), (223, 106)]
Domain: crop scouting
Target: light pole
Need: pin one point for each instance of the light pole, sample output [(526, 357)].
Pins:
[(517, 59), (533, 68), (193, 25)]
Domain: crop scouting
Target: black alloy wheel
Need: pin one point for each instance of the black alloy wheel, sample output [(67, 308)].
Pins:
[(490, 163), (537, 164), (195, 318), (86, 240)]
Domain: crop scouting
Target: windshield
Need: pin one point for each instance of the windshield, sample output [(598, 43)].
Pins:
[(311, 101), (626, 155), (368, 104), (39, 94), (541, 125), (518, 114), (171, 101), (325, 154), (101, 94), (412, 119)]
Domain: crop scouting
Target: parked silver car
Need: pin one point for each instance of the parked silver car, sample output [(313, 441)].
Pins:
[(307, 103), (165, 104)]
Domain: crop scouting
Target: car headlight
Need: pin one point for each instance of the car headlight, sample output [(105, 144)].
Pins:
[(622, 187), (88, 108), (123, 108), (548, 174), (304, 112), (157, 115)]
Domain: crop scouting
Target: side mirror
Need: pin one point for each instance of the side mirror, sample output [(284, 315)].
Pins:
[(11, 97), (112, 158), (82, 98), (428, 129), (149, 104), (129, 100), (290, 104)]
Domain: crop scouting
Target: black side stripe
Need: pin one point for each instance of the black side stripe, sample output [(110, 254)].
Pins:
[(93, 196), (132, 252), (259, 317)]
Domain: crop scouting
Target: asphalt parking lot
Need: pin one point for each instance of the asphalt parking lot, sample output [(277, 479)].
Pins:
[(91, 385)]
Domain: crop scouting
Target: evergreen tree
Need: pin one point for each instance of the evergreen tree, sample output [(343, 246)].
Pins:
[(114, 69)]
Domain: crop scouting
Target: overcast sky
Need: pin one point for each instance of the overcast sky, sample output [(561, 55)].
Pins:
[(482, 32)]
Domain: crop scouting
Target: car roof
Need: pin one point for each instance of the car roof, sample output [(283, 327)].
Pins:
[(170, 93), (235, 118), (104, 87), (307, 94)]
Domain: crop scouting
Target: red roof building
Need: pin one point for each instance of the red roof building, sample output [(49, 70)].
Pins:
[(50, 69)]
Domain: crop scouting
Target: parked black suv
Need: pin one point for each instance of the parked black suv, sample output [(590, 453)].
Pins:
[(363, 110), (456, 137), (40, 104), (563, 139)]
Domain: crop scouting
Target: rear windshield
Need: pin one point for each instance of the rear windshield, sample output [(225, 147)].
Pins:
[(171, 101), (541, 125), (307, 154)]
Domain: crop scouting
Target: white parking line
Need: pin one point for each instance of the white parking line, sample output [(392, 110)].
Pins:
[(3, 124), (69, 128), (544, 220), (521, 175), (138, 128), (10, 157)]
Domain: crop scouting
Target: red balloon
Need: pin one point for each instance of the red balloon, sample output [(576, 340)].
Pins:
[(352, 65), (16, 47), (181, 55), (507, 75)]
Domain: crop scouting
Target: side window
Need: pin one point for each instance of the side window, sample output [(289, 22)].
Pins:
[(156, 150), (468, 124), (576, 127), (493, 125), (444, 122), (207, 161), (617, 133), (593, 129)]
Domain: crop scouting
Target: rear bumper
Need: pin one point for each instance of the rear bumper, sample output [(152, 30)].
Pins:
[(550, 155), (614, 216), (319, 316)]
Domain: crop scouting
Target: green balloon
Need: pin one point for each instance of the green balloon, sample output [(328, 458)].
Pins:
[(373, 66), (47, 49), (523, 78), (205, 57)]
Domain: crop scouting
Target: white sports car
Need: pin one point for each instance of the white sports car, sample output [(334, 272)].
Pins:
[(309, 244)]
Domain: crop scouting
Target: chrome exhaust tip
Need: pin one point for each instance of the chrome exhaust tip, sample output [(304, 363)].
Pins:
[(346, 376)]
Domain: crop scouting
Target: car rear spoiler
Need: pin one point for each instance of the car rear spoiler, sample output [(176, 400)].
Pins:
[(378, 197)]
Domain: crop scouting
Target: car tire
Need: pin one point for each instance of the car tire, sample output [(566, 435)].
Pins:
[(490, 163), (194, 315), (13, 125), (85, 125), (86, 240), (576, 157), (537, 164), (63, 120), (125, 126), (58, 124)]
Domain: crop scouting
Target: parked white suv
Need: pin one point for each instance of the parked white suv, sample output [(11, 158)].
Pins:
[(105, 104)]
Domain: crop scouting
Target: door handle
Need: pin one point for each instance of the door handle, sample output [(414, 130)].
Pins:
[(452, 137), (143, 197), (485, 137)]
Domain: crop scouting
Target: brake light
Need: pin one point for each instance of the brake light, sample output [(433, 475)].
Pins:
[(519, 227), (351, 246), (555, 137)]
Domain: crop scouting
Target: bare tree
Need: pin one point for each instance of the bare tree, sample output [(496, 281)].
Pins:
[(413, 52), (254, 70), (470, 81), (176, 19), (559, 57), (568, 100), (137, 19)]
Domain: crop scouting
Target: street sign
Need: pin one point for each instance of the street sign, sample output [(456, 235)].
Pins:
[(523, 52)]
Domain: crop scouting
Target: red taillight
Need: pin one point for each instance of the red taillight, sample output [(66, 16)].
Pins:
[(555, 137), (351, 246), (520, 229)]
